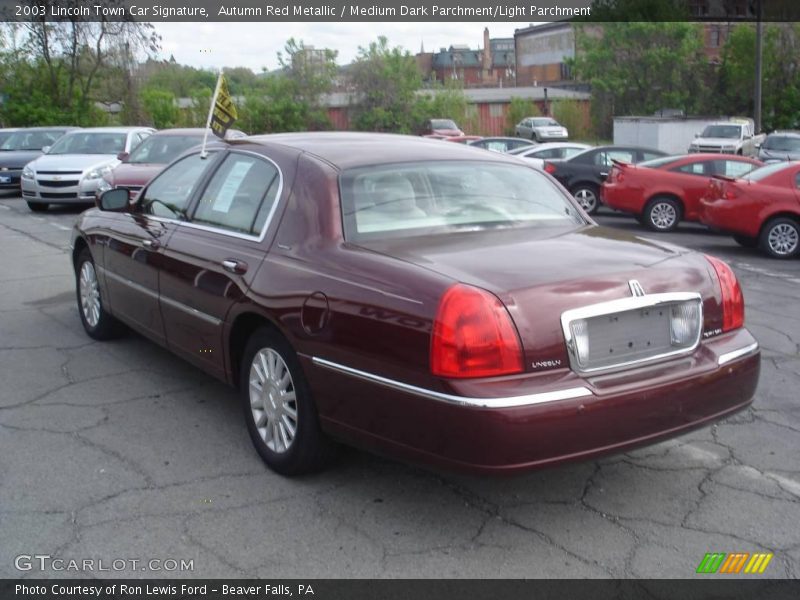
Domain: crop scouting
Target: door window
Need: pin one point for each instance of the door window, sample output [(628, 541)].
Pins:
[(604, 159), (169, 193), (240, 195)]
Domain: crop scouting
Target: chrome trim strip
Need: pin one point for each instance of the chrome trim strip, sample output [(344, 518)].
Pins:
[(228, 232), (622, 305), (507, 402), (733, 355), (173, 303)]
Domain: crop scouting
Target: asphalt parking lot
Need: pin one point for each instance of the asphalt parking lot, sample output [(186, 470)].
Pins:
[(121, 451)]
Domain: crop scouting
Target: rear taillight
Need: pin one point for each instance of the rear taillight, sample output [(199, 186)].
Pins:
[(731, 192), (473, 336), (549, 168), (732, 298)]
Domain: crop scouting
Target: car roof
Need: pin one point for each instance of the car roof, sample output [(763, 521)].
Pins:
[(112, 129), (50, 128), (499, 138), (346, 150), (551, 145), (789, 133)]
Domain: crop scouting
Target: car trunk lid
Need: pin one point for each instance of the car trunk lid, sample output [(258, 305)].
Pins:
[(538, 273)]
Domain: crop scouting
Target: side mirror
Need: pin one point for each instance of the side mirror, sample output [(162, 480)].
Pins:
[(115, 200), (758, 145), (123, 155), (46, 149)]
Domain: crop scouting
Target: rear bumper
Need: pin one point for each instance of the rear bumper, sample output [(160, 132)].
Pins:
[(527, 422)]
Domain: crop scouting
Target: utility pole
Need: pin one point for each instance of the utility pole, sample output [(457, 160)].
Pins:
[(759, 46)]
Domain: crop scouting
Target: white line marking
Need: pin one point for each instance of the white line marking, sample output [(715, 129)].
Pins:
[(4, 207), (57, 226)]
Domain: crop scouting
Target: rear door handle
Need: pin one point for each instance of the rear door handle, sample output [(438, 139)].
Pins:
[(234, 266), (151, 244)]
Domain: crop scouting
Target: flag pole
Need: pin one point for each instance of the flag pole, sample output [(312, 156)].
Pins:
[(203, 152)]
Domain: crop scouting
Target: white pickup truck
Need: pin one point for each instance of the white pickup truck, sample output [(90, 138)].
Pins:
[(736, 136)]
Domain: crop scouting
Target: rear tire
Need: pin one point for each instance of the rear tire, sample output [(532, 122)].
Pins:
[(780, 238), (588, 197), (38, 206), (97, 322), (746, 241), (279, 410), (662, 214)]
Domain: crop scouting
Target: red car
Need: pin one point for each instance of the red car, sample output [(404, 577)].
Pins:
[(760, 209), (432, 301), (152, 155), (664, 191)]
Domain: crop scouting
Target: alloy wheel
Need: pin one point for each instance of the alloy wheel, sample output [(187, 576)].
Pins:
[(272, 400), (90, 294), (783, 239), (587, 199), (663, 215)]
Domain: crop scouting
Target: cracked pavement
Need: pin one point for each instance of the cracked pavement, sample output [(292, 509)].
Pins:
[(121, 450)]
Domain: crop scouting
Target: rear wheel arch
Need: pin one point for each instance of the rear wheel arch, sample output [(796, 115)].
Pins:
[(666, 195), (241, 330)]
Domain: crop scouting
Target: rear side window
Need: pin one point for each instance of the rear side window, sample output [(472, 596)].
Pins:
[(240, 195), (697, 168)]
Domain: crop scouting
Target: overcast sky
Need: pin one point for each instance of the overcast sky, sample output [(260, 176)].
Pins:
[(255, 45)]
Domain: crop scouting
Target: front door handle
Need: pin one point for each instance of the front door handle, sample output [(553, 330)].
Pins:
[(151, 244), (234, 266)]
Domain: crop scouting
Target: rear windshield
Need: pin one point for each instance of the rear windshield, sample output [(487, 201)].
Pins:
[(545, 123), (782, 143), (433, 198), (766, 171), (660, 162)]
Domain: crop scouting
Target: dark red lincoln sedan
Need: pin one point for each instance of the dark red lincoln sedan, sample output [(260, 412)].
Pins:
[(431, 301)]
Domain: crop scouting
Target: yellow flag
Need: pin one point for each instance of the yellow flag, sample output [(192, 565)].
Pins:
[(224, 113)]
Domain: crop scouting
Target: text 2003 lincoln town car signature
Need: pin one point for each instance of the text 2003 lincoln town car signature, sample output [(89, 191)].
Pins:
[(422, 299)]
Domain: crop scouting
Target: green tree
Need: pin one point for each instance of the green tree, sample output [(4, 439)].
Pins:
[(640, 67), (780, 75), (386, 81), (572, 116), (161, 108), (442, 102), (64, 59)]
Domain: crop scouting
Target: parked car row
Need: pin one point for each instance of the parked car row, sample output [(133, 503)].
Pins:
[(662, 191), (70, 165)]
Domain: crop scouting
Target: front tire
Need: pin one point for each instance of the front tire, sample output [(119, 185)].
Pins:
[(588, 197), (38, 206), (97, 322), (278, 407), (780, 238), (662, 214)]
